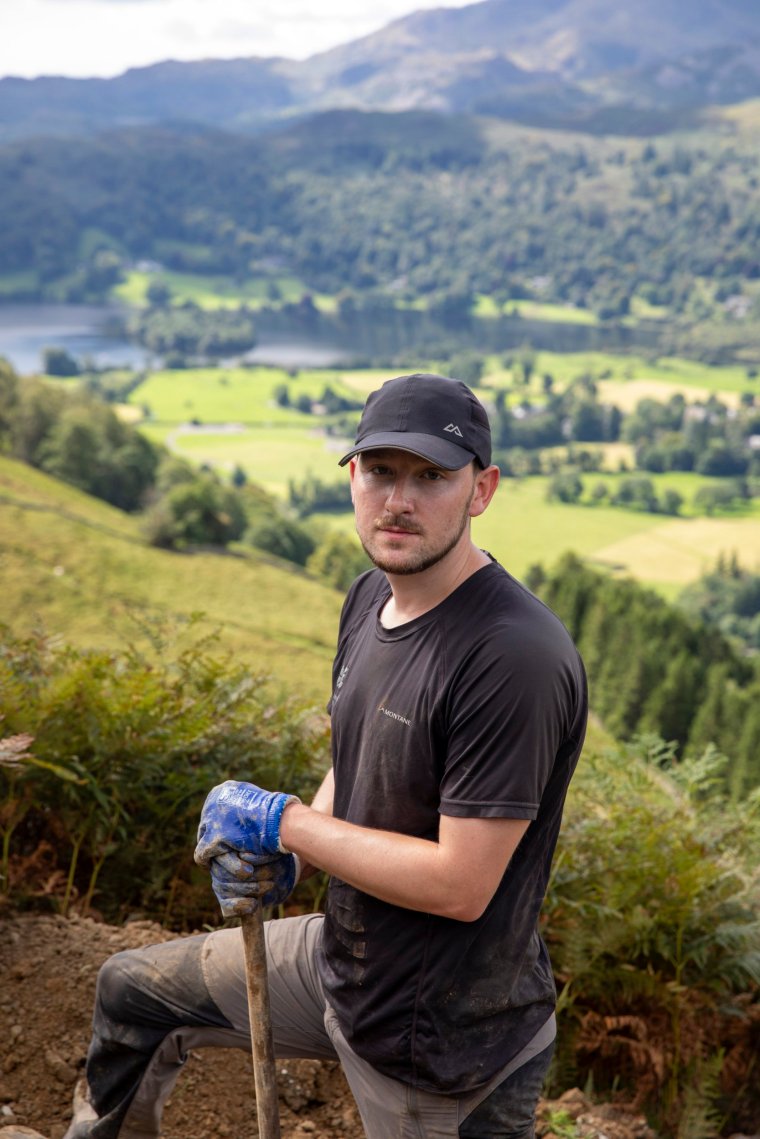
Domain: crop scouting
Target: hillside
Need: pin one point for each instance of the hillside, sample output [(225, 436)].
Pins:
[(79, 569), (553, 60), (509, 53), (574, 38), (485, 208)]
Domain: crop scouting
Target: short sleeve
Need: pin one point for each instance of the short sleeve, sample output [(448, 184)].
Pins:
[(512, 705)]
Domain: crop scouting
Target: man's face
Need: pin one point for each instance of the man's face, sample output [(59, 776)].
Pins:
[(410, 513)]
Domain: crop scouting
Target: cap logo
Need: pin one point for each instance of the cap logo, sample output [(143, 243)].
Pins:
[(453, 430)]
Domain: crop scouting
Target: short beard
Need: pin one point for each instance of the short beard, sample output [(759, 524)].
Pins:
[(424, 561)]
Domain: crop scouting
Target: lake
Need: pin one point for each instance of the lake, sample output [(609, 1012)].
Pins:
[(83, 330), (95, 332)]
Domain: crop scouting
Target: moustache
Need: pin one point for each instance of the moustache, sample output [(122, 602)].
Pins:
[(390, 522)]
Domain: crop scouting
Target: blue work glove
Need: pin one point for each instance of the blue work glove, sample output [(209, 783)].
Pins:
[(243, 882), (241, 818)]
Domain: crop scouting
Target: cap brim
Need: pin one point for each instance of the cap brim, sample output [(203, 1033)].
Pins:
[(441, 452)]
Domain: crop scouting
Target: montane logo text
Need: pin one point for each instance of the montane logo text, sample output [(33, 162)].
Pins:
[(453, 430), (396, 716)]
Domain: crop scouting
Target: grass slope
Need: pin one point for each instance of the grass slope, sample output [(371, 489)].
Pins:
[(79, 569)]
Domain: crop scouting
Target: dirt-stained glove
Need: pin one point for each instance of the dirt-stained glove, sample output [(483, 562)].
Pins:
[(241, 818), (243, 882)]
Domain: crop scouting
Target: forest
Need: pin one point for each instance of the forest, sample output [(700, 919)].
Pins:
[(603, 224)]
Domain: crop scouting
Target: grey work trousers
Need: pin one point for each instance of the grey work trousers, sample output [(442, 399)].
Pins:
[(153, 1005)]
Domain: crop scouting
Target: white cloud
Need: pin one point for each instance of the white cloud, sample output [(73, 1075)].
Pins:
[(105, 37)]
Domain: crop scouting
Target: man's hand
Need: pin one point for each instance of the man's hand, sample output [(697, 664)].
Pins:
[(241, 882), (240, 818)]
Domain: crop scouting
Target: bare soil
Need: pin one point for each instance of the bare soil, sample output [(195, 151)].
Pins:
[(48, 966)]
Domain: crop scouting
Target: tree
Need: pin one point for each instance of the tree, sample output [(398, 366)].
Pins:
[(58, 362), (722, 459), (671, 501), (90, 448), (467, 367), (338, 559), (638, 493), (281, 395), (715, 496), (282, 537), (566, 486), (197, 512), (158, 294)]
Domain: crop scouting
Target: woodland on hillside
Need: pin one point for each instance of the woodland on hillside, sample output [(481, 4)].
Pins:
[(601, 224)]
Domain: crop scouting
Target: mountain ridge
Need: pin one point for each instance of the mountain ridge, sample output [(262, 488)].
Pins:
[(527, 60)]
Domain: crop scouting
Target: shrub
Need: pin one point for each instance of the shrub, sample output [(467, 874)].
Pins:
[(338, 559), (198, 511), (654, 930), (282, 537), (120, 751)]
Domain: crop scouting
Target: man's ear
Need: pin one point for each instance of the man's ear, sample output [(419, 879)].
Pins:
[(486, 482), (352, 464)]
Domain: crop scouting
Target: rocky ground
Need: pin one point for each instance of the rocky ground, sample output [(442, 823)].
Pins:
[(48, 965)]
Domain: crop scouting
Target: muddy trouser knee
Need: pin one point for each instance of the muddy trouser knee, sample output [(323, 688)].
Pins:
[(153, 1005)]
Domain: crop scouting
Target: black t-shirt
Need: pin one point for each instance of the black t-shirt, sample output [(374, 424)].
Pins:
[(475, 709)]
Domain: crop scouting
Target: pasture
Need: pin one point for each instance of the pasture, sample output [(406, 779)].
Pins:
[(641, 377), (212, 292), (237, 422)]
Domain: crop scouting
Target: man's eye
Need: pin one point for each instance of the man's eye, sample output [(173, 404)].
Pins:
[(432, 475)]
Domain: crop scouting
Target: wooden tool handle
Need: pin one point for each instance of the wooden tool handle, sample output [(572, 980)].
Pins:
[(264, 1073)]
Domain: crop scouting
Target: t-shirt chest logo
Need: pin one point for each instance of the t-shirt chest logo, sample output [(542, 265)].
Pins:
[(395, 716)]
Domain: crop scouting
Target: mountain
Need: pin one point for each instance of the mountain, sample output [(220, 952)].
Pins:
[(240, 92), (551, 62), (577, 39), (579, 53)]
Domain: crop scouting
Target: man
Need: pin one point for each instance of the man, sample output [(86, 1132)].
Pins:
[(458, 714)]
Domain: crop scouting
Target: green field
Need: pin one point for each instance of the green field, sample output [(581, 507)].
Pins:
[(212, 292), (79, 569), (239, 424), (534, 310), (521, 528), (659, 379), (231, 395)]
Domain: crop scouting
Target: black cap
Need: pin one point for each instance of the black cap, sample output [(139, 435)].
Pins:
[(432, 416)]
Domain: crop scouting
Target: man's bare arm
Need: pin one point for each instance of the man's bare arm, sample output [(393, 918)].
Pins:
[(455, 877), (323, 803)]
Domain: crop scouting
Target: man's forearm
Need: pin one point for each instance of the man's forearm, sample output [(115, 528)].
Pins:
[(323, 803), (453, 878)]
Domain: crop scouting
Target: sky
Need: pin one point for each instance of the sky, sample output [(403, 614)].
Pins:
[(105, 37)]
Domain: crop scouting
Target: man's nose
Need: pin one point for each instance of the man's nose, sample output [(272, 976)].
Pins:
[(399, 498)]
